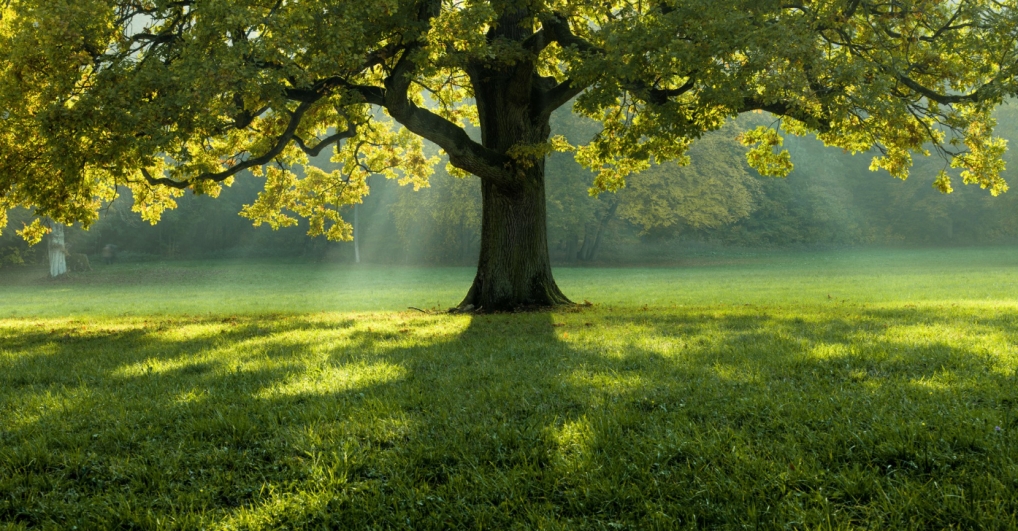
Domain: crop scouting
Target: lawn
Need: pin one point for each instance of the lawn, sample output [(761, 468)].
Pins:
[(835, 390)]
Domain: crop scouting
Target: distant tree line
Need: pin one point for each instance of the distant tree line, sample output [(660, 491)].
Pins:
[(830, 199)]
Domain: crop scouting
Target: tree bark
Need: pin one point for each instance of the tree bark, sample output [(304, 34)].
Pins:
[(514, 269)]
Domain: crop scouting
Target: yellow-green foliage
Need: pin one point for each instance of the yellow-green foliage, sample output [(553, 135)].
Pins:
[(161, 95)]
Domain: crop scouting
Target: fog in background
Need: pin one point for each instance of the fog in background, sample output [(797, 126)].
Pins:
[(716, 204)]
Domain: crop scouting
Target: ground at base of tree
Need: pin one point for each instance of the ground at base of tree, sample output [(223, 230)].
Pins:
[(845, 412)]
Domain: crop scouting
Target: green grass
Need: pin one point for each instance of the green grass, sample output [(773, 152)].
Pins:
[(259, 287), (741, 396)]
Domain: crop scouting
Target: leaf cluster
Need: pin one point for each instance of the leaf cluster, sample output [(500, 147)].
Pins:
[(164, 95)]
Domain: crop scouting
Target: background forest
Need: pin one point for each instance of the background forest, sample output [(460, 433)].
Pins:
[(664, 214)]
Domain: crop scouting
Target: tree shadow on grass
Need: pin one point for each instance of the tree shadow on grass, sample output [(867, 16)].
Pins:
[(577, 420)]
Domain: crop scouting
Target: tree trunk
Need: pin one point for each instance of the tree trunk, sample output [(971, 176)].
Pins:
[(57, 251), (593, 232), (514, 269), (591, 240), (356, 240)]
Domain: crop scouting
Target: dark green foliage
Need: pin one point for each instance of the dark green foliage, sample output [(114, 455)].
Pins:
[(14, 251)]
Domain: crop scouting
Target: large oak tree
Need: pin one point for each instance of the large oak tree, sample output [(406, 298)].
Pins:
[(167, 95)]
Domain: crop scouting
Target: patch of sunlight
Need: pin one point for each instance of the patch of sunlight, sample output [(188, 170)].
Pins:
[(192, 396), (33, 408), (941, 382), (858, 375), (655, 343), (326, 380), (956, 305), (155, 365), (319, 340), (436, 328), (21, 418), (726, 371), (27, 323), (1006, 364), (285, 505), (929, 334), (994, 342), (286, 343), (574, 440), (190, 331), (735, 374), (826, 351), (612, 382), (980, 305), (48, 348), (972, 337)]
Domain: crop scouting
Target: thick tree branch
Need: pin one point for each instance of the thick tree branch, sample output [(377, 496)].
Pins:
[(245, 117), (783, 109), (661, 96), (557, 29), (372, 95), (325, 142), (380, 55), (976, 96), (537, 42), (281, 142), (558, 96), (464, 152)]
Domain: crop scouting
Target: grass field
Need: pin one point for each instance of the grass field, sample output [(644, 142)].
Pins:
[(834, 390)]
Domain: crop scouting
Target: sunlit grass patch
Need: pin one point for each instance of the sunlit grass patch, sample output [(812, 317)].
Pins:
[(323, 381), (701, 416), (883, 414)]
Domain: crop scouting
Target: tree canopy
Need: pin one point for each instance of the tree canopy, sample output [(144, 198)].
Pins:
[(166, 95)]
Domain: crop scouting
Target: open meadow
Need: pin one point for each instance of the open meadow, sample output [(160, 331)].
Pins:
[(850, 389)]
